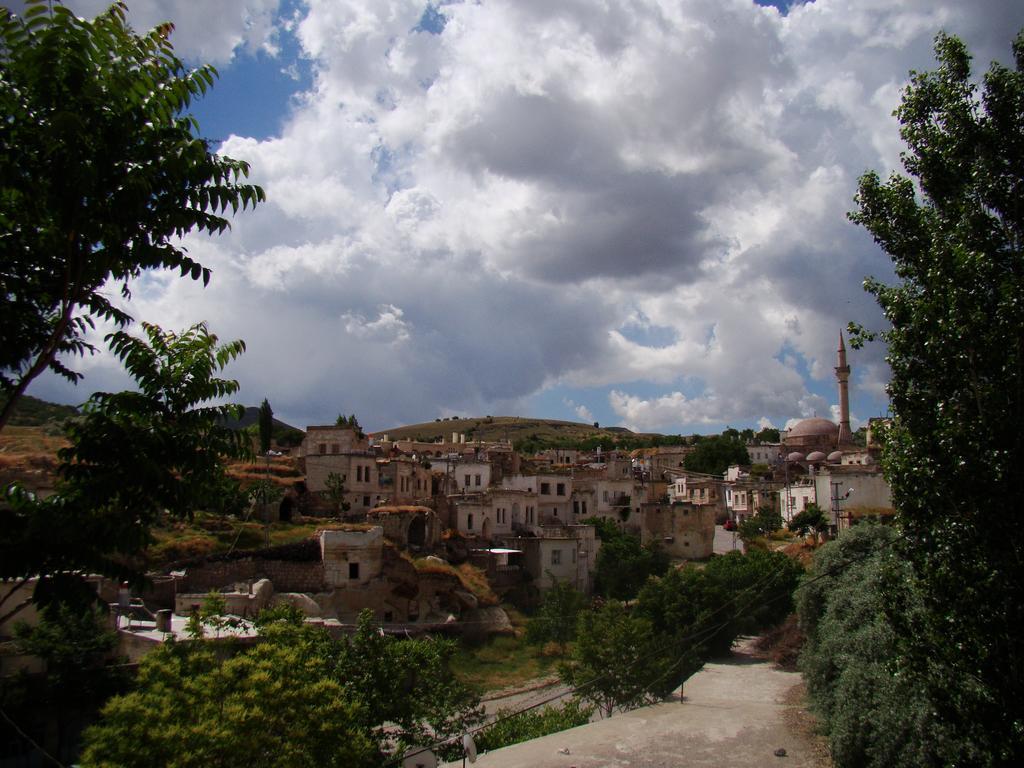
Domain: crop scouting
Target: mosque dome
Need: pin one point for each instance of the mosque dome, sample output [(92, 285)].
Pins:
[(815, 457), (795, 456), (835, 457), (815, 427)]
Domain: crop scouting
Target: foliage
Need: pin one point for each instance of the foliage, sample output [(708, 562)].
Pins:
[(556, 618), (32, 412), (767, 435), (404, 689), (76, 644), (765, 522), (278, 703), (713, 455), (334, 489), (954, 230), (213, 614), (605, 528), (133, 455), (511, 728), (101, 174), (811, 519), (872, 715), (266, 426), (616, 661), (624, 564), (704, 610)]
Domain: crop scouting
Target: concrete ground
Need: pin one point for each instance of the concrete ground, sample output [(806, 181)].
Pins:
[(735, 713)]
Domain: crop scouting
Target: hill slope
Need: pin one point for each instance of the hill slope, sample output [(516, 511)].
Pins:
[(514, 428)]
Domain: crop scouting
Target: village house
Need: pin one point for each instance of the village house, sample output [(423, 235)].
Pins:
[(553, 492), (566, 554)]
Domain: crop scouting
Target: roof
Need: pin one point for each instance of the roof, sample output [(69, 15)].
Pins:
[(815, 427)]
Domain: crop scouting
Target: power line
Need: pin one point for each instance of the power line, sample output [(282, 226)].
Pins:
[(706, 632)]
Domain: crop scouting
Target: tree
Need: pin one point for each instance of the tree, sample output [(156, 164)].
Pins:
[(334, 489), (101, 174), (953, 456), (132, 457), (266, 423), (616, 661), (277, 703), (555, 621), (624, 564), (713, 455), (872, 715), (810, 519), (404, 688), (766, 521), (767, 435), (513, 727)]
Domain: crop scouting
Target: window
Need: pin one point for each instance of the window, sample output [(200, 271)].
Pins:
[(545, 489), (366, 501), (469, 522), (556, 557), (560, 489), (573, 555), (583, 506), (353, 570), (467, 481), (604, 496), (389, 616), (575, 506), (335, 448), (477, 480), (323, 448)]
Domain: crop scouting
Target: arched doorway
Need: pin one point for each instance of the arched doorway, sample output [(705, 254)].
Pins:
[(485, 532), (417, 535)]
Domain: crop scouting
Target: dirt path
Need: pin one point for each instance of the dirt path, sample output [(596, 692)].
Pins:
[(740, 712)]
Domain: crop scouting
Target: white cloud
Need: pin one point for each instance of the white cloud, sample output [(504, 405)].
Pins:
[(206, 32), (582, 412), (648, 198)]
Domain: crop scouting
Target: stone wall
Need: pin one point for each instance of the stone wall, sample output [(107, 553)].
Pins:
[(682, 530), (287, 576)]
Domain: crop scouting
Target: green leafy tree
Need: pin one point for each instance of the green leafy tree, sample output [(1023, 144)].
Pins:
[(101, 174), (555, 621), (812, 519), (954, 229), (513, 727), (765, 522), (616, 662), (713, 455), (278, 703), (266, 425), (133, 456), (872, 715), (767, 435), (404, 688), (334, 489), (624, 564)]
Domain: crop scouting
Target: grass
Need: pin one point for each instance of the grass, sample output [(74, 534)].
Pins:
[(504, 661), (473, 579), (209, 534)]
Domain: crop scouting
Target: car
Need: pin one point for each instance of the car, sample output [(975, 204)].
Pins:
[(729, 525)]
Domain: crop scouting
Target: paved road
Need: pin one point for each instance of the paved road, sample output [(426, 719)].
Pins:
[(726, 541), (736, 713)]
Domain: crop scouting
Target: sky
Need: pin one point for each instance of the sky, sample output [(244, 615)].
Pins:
[(626, 212)]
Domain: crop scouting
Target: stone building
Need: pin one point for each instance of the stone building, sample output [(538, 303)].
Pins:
[(682, 529), (409, 527)]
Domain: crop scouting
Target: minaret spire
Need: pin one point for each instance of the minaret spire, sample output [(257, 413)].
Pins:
[(843, 378)]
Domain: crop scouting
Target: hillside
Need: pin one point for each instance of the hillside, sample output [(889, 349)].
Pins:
[(518, 430), (32, 412)]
